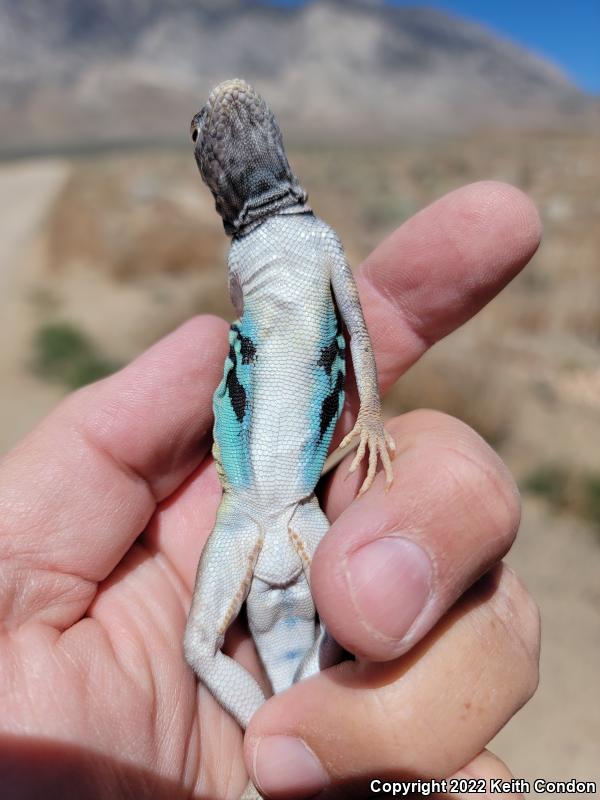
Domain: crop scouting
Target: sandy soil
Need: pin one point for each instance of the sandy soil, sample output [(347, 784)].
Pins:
[(557, 735)]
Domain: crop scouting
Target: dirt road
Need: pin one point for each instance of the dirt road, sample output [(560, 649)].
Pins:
[(27, 190)]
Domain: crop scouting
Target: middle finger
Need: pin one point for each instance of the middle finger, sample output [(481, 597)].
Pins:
[(394, 562)]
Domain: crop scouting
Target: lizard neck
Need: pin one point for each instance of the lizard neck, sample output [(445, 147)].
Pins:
[(258, 210)]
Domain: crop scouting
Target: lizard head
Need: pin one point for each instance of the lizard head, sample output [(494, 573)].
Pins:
[(239, 151)]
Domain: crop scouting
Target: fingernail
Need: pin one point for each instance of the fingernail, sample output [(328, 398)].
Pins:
[(286, 767), (390, 583)]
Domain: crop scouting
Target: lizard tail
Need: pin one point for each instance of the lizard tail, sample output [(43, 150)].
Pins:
[(289, 639)]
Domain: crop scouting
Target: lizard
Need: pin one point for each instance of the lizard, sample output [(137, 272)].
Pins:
[(276, 407)]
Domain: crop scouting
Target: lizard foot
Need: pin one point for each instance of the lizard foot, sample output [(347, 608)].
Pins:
[(369, 426)]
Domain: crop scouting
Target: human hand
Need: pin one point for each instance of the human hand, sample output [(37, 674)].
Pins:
[(104, 510), (445, 657)]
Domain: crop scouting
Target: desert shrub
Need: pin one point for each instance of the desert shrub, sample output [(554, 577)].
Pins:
[(577, 492), (550, 482), (63, 354), (592, 499)]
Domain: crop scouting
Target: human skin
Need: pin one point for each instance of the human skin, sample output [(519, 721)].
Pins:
[(105, 507)]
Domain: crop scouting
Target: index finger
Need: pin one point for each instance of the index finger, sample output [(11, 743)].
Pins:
[(441, 267)]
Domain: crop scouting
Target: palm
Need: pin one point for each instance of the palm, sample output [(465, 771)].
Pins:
[(114, 688)]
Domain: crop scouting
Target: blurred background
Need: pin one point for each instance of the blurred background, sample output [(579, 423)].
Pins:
[(108, 239)]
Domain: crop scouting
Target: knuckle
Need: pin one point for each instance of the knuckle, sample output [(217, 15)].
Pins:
[(520, 616), (465, 472), (484, 481)]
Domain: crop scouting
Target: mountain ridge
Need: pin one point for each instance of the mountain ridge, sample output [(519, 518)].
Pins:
[(96, 70)]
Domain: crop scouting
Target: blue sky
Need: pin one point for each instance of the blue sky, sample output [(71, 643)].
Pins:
[(565, 31)]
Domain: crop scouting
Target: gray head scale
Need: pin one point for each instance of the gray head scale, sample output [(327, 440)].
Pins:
[(239, 151)]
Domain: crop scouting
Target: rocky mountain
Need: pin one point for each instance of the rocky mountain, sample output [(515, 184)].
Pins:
[(87, 72)]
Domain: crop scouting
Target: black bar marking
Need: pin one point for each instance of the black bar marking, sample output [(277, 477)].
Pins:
[(329, 409)]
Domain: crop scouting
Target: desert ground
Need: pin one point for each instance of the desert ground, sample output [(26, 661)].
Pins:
[(100, 256)]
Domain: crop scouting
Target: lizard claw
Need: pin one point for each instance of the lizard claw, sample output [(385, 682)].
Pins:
[(373, 435)]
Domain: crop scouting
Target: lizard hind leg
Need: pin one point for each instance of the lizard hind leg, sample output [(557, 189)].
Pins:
[(222, 584), (307, 527)]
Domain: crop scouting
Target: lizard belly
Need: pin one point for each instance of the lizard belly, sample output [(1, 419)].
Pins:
[(297, 404), (278, 402)]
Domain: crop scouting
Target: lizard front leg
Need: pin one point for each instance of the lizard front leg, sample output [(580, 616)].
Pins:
[(369, 423)]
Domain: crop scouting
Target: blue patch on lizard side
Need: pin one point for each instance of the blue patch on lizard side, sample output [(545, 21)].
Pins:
[(328, 398), (232, 402)]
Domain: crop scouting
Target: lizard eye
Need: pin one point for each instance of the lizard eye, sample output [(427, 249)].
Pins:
[(194, 134)]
